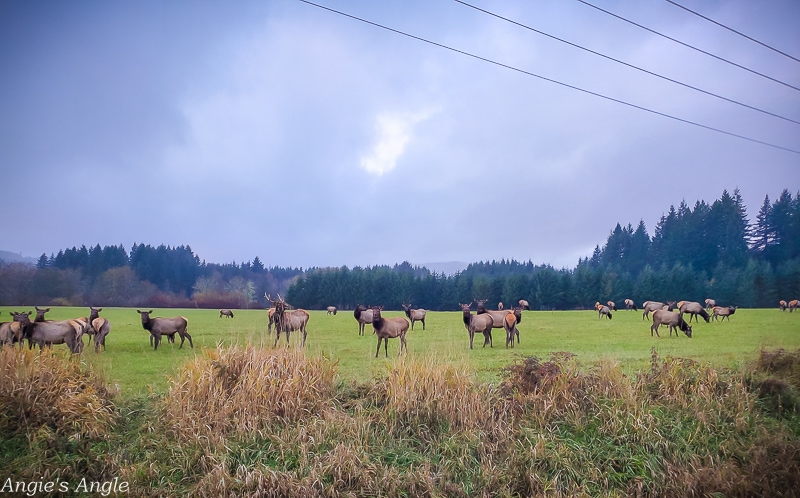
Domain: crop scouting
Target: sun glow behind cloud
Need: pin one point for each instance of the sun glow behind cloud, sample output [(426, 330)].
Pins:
[(394, 132)]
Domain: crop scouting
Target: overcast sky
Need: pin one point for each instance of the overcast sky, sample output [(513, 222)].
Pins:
[(281, 130)]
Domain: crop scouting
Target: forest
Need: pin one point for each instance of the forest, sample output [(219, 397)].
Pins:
[(695, 252)]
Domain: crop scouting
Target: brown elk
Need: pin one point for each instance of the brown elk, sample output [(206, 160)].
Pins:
[(415, 315), (630, 305), (694, 309), (477, 323), (99, 328), (603, 311), (40, 314), (793, 305), (331, 310), (710, 304), (612, 305), (510, 322), (723, 311), (783, 305), (649, 306), (500, 305), (389, 328), (158, 326), (47, 333), (497, 315), (11, 332), (524, 304), (363, 316), (674, 320), (226, 313), (287, 321)]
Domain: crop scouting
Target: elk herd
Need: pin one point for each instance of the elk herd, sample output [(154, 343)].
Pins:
[(286, 320)]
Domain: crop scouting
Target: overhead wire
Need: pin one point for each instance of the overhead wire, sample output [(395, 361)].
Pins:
[(671, 80), (687, 9), (690, 46), (544, 78)]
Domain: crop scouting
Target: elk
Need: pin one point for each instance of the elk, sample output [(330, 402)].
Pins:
[(510, 323), (99, 327), (649, 306), (389, 328), (40, 314), (363, 316), (710, 304), (602, 311), (226, 313), (497, 315), (287, 321), (674, 320), (47, 333), (477, 323), (415, 315), (500, 305), (612, 305), (630, 305), (793, 305), (165, 326), (524, 304), (723, 311), (331, 310), (11, 332), (782, 305), (694, 309)]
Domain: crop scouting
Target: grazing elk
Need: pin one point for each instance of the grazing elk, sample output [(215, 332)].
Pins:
[(331, 310), (99, 327), (710, 304), (47, 333), (524, 304), (674, 320), (363, 316), (783, 305), (389, 328), (287, 321), (603, 311), (477, 323), (723, 311), (165, 326), (226, 313), (694, 309), (649, 306), (415, 315), (612, 305), (630, 305), (793, 305), (11, 332)]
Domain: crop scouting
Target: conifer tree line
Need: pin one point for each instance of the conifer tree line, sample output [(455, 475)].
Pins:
[(696, 252)]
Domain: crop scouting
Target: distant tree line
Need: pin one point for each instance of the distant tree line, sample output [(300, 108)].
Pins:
[(160, 276), (698, 252), (705, 251)]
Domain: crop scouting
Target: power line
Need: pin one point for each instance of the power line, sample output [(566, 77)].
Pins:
[(548, 79), (690, 46), (733, 30), (627, 64)]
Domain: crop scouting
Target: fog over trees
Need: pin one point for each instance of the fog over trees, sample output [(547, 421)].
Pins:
[(695, 252)]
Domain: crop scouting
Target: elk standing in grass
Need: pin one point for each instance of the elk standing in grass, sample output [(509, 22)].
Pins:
[(477, 323), (612, 305), (363, 316), (331, 310), (11, 332), (497, 315), (49, 332), (226, 313), (793, 304), (630, 305), (165, 326), (649, 306), (674, 320), (710, 304), (287, 321), (99, 327), (723, 311), (510, 322), (603, 311), (415, 315), (389, 328), (524, 304), (783, 305), (694, 309)]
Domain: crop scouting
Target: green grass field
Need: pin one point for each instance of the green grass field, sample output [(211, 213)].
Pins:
[(131, 363)]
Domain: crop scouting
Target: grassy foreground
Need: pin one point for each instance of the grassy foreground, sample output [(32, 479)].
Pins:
[(621, 414)]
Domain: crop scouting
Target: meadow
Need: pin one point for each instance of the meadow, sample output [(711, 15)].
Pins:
[(131, 363), (582, 407)]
